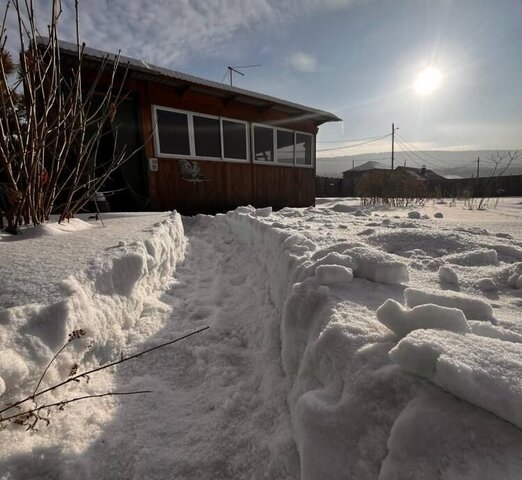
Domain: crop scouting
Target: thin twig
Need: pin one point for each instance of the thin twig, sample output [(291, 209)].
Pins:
[(102, 367), (62, 403)]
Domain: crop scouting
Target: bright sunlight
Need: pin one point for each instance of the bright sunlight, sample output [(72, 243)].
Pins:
[(427, 81)]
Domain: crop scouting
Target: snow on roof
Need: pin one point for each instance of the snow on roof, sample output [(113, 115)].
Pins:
[(371, 165), (144, 70)]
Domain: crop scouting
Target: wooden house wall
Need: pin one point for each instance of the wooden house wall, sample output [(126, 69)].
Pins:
[(226, 185)]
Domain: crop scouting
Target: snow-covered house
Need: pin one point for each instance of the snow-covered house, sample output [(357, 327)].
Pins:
[(209, 146)]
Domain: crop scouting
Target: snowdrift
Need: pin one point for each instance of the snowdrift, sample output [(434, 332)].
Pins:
[(109, 301), (355, 413)]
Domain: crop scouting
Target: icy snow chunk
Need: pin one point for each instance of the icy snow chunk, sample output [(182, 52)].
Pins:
[(483, 371), (403, 321), (2, 386), (473, 308), (328, 274), (486, 284), (474, 258), (494, 331), (438, 215), (414, 214), (378, 266), (448, 275), (518, 282)]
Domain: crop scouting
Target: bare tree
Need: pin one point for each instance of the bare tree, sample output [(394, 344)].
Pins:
[(52, 122)]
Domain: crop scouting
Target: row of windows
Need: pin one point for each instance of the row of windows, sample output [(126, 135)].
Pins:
[(186, 134)]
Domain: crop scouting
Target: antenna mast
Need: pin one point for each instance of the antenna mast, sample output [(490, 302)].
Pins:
[(232, 70)]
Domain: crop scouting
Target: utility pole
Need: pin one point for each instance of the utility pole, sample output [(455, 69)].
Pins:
[(353, 164), (478, 167), (393, 143)]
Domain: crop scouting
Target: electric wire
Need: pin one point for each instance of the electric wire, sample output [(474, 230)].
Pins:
[(423, 152), (352, 146), (422, 159), (353, 140)]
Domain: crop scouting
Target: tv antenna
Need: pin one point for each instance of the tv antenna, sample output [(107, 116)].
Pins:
[(231, 70)]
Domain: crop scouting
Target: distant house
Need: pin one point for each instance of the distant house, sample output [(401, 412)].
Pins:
[(209, 147), (352, 176), (422, 173)]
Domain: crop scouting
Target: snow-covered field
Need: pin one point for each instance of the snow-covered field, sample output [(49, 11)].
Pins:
[(344, 342)]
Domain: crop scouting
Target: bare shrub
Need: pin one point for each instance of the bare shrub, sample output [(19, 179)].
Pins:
[(391, 188), (51, 124)]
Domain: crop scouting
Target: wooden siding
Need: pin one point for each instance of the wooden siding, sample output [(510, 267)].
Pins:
[(225, 185)]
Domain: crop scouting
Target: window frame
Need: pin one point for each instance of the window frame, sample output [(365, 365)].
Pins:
[(274, 133), (312, 150), (247, 140), (155, 122), (192, 139)]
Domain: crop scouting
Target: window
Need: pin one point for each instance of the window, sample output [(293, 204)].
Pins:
[(173, 132), (207, 136), (285, 146), (189, 134), (282, 146), (234, 140), (263, 144), (303, 149)]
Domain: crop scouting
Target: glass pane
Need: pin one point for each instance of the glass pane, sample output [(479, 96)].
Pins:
[(206, 137), (173, 132), (285, 147), (263, 144), (234, 140), (303, 149)]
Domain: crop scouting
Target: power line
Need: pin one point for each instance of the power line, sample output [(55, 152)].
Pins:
[(349, 141), (352, 146), (405, 149), (424, 152)]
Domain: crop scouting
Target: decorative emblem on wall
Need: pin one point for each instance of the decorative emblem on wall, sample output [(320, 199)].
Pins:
[(190, 171)]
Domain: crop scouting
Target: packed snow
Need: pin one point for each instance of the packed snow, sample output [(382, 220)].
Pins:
[(344, 342)]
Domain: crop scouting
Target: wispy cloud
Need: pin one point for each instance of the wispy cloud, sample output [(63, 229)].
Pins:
[(169, 32), (303, 62)]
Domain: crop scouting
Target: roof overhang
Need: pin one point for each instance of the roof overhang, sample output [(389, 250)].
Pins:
[(141, 70)]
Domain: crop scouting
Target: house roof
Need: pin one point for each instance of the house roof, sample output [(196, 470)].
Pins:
[(427, 174), (364, 167), (140, 69)]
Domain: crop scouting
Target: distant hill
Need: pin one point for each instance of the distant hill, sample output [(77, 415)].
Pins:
[(462, 164)]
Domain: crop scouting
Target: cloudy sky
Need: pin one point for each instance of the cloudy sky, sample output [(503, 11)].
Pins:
[(356, 58)]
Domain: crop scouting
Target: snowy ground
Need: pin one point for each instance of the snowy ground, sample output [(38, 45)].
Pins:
[(344, 343)]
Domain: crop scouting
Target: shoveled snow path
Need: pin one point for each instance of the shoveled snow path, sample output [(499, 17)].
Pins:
[(219, 404)]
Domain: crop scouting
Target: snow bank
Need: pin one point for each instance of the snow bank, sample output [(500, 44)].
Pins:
[(473, 308), (109, 301), (483, 371)]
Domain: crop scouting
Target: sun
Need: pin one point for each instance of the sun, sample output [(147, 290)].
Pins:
[(427, 81)]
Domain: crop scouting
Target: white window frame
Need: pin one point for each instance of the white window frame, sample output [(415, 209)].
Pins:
[(157, 148), (253, 142), (193, 136), (276, 162), (192, 139), (312, 153), (247, 140)]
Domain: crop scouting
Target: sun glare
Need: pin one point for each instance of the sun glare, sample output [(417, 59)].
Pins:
[(427, 81)]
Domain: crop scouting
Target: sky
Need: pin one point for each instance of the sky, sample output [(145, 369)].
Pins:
[(358, 59)]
